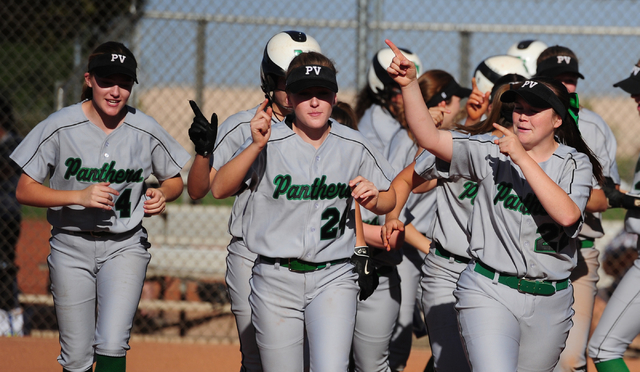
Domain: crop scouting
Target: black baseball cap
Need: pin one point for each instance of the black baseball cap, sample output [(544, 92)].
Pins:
[(536, 94), (631, 84), (556, 65), (107, 64), (449, 90), (309, 76)]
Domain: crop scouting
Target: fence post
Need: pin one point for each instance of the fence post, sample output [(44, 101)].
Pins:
[(361, 54), (465, 52)]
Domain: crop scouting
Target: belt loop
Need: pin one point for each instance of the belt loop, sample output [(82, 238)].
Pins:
[(496, 277), (451, 259), (277, 264)]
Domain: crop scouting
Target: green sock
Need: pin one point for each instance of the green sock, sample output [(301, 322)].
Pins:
[(110, 364), (613, 365)]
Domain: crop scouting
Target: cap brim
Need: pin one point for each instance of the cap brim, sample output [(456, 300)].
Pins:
[(105, 71), (462, 92), (629, 85), (301, 85), (558, 70), (534, 100)]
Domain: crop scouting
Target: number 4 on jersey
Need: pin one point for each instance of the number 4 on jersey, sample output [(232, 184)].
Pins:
[(123, 204)]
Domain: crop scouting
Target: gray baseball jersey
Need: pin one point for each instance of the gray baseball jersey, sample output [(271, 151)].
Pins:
[(378, 126), (232, 134), (510, 231), (307, 193), (104, 271), (611, 145), (455, 199), (75, 153), (402, 152), (599, 142)]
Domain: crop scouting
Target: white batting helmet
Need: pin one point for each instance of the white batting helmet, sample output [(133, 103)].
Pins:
[(378, 79), (279, 52), (493, 68), (528, 51)]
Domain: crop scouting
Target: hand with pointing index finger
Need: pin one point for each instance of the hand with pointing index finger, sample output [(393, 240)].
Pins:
[(202, 133), (509, 143), (261, 124), (401, 70), (477, 103)]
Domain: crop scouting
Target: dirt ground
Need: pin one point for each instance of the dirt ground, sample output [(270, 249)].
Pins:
[(36, 354)]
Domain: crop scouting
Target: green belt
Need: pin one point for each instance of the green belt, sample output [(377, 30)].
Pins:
[(537, 287), (299, 266), (587, 243), (448, 255)]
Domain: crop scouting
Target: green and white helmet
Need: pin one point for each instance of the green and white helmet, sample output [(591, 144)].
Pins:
[(279, 52)]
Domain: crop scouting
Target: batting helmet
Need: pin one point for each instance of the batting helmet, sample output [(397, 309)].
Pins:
[(379, 80), (528, 51), (493, 68), (279, 52)]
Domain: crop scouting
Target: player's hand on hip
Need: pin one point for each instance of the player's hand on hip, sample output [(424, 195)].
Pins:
[(156, 203), (509, 143), (364, 192), (477, 103), (202, 132), (401, 70), (98, 195), (387, 232), (261, 124)]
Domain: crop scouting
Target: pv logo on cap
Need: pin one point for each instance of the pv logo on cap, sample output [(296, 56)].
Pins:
[(635, 70), (530, 83), (115, 57), (566, 59), (316, 69)]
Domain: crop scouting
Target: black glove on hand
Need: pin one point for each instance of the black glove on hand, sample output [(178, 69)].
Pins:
[(367, 275), (202, 133), (617, 199)]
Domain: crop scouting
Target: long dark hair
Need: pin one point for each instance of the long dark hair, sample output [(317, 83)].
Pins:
[(568, 133)]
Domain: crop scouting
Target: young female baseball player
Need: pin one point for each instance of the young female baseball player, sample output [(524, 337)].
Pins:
[(443, 96), (560, 63), (232, 133), (298, 219), (619, 323), (98, 154), (514, 296)]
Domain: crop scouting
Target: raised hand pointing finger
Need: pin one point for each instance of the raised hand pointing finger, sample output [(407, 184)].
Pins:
[(202, 132)]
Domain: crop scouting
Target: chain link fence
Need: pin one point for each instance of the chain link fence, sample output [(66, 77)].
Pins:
[(210, 51)]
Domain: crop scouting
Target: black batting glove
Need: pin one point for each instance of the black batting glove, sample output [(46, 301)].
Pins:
[(617, 199), (202, 133), (367, 275)]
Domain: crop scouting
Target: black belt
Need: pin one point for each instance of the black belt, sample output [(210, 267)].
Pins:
[(448, 255), (537, 287), (99, 234), (300, 266)]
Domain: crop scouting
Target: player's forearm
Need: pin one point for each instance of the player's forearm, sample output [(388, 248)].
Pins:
[(422, 126), (597, 201), (172, 188), (555, 201), (32, 193), (200, 177), (426, 186), (386, 202), (402, 184), (374, 239), (416, 239), (229, 178)]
